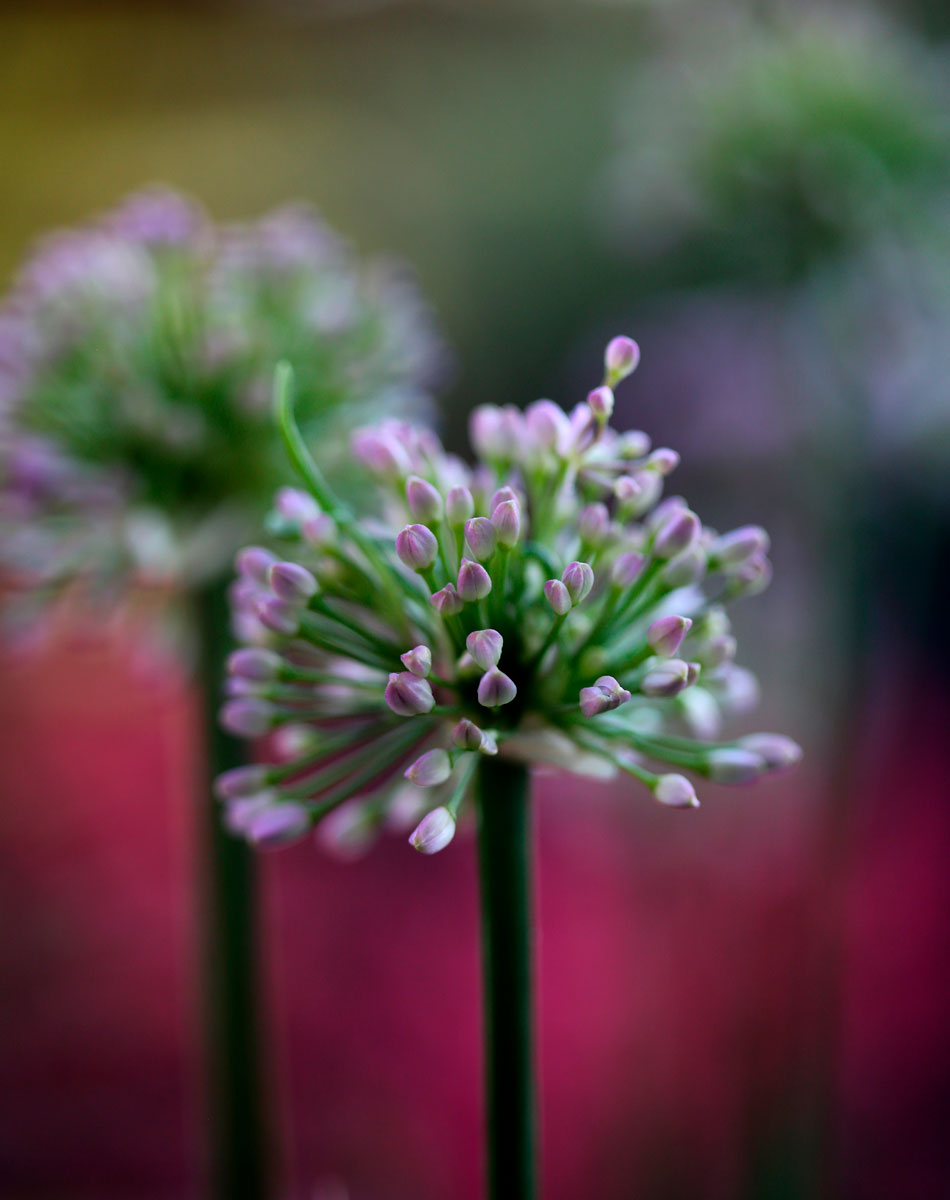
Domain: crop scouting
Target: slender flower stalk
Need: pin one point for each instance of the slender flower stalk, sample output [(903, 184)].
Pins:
[(542, 607)]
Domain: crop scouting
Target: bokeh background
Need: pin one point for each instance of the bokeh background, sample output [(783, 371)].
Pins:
[(747, 1001)]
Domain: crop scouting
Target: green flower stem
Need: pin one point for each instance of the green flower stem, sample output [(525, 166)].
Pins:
[(504, 851), (240, 1142)]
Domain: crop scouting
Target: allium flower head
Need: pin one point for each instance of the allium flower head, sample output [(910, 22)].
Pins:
[(136, 362), (587, 631)]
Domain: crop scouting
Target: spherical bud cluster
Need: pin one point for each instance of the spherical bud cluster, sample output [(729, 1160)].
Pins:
[(557, 608)]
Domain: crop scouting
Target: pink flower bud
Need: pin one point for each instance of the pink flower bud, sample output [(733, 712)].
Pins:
[(627, 568), (295, 505), (417, 547), (248, 717), (547, 425), (255, 663), (501, 496), (685, 569), (408, 695), (578, 578), (733, 766), (459, 506), (495, 689), (253, 562), (241, 781), (665, 678), (292, 583), (506, 517), (677, 534), (675, 791), (558, 596), (423, 500), (601, 403), (734, 548), (593, 523), (417, 661), (663, 461), (430, 769), (467, 736), (481, 537), (665, 635), (279, 616), (620, 359), (627, 488), (753, 577), (434, 832), (604, 696), (717, 650), (485, 645), (489, 431), (278, 824), (474, 582), (778, 752), (381, 452), (446, 601), (320, 531)]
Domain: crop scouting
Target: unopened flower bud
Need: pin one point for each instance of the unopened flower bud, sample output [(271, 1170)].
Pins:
[(446, 601), (417, 661), (605, 695), (593, 524), (495, 689), (489, 429), (253, 562), (627, 568), (734, 548), (684, 569), (417, 547), (663, 461), (665, 678), (620, 359), (320, 531), (459, 506), (693, 672), (506, 517), (753, 577), (278, 824), (423, 500), (430, 769), (665, 635), (601, 403), (295, 506), (578, 578), (717, 650), (408, 695), (279, 616), (481, 537), (627, 488), (255, 663), (677, 534), (248, 717), (381, 452), (474, 582), (500, 496), (558, 596), (779, 753), (467, 736), (485, 646), (434, 832), (733, 765), (675, 791), (241, 781), (547, 425), (291, 582)]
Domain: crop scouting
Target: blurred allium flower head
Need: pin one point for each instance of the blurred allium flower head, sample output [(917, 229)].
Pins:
[(136, 359), (547, 605), (765, 148)]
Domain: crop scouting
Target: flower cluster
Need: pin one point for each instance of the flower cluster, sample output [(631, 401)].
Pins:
[(136, 360), (547, 605)]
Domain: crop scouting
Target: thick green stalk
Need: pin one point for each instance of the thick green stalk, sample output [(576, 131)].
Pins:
[(239, 1145), (504, 851)]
